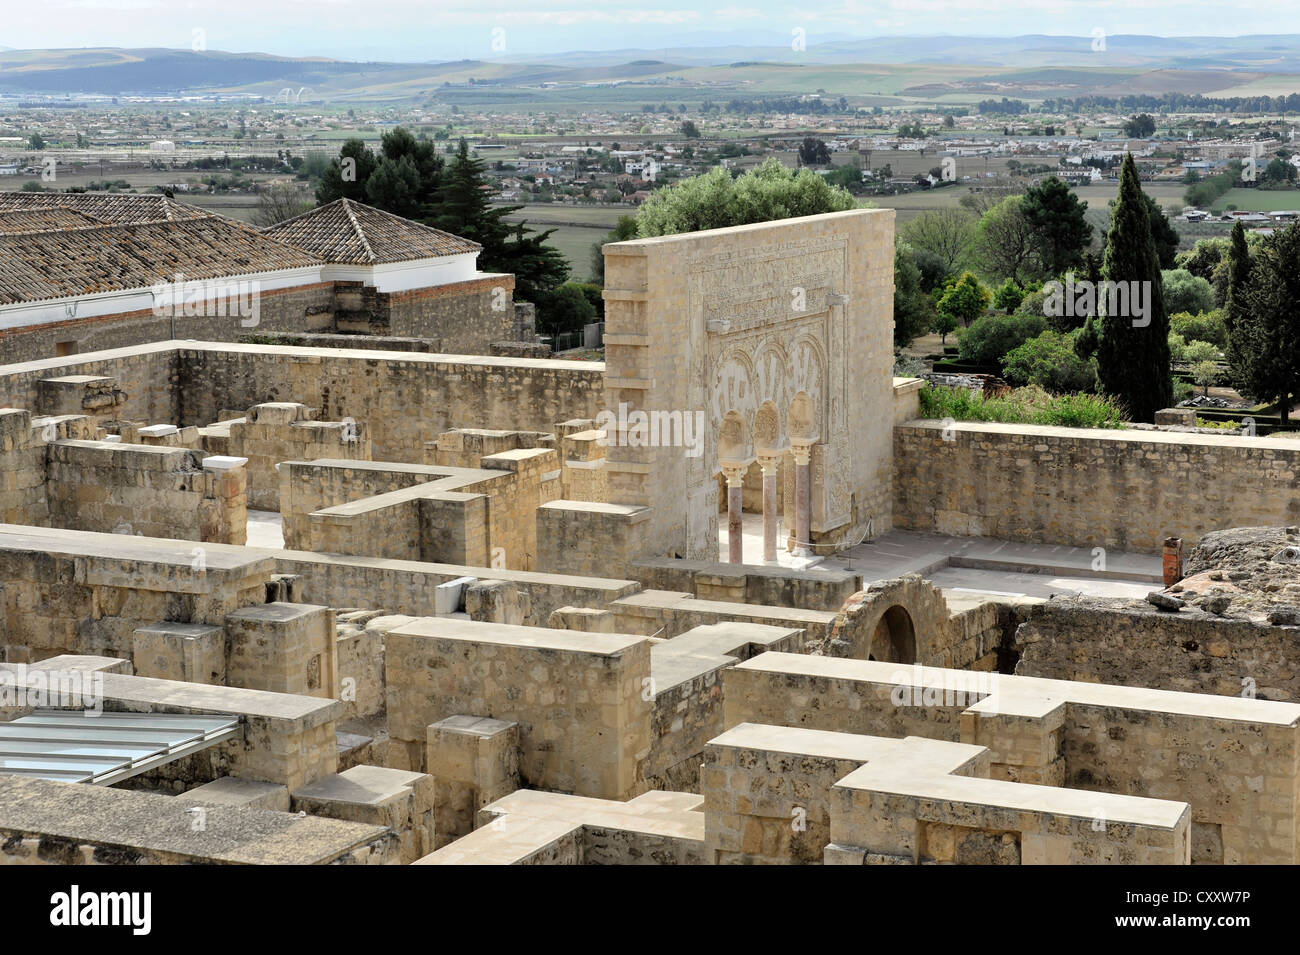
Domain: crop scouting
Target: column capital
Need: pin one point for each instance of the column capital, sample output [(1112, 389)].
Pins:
[(769, 461), (802, 454), (735, 473)]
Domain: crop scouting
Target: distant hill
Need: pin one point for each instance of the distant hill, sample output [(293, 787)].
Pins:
[(1225, 61)]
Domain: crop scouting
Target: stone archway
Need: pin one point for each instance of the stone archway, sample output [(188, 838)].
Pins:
[(894, 640)]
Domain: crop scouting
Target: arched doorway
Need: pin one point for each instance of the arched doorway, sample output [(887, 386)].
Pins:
[(894, 640)]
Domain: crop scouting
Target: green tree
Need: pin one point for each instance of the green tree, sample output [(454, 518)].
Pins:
[(36, 141), (948, 234), (1265, 331), (1133, 352), (1140, 126), (346, 176), (1185, 292), (1051, 362), (813, 152), (944, 323), (1056, 217), (1008, 296), (463, 209), (714, 200), (967, 299), (913, 309), (1234, 302), (1005, 242), (567, 310), (690, 130), (395, 187), (991, 338)]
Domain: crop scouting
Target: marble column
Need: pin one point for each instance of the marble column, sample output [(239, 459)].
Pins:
[(802, 498), (769, 464), (735, 474)]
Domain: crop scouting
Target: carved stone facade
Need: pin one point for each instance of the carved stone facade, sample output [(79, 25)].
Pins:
[(781, 335)]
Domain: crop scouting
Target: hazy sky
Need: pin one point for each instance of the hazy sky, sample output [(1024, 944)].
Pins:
[(455, 29)]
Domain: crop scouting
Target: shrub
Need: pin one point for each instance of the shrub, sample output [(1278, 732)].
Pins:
[(1177, 347), (1029, 405), (1185, 292), (1050, 362), (1200, 352), (990, 338), (1205, 327)]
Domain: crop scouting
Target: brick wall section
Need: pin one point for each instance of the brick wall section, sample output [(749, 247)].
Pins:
[(1123, 489), (304, 308), (467, 316)]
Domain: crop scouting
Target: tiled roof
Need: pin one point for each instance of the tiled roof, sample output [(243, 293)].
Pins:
[(35, 266), (44, 220), (117, 208), (347, 232)]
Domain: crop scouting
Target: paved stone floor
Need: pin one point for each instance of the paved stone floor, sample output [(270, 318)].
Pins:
[(265, 529), (976, 565)]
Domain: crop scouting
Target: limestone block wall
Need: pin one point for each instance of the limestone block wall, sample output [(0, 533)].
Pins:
[(768, 790), (43, 822), (658, 613), (895, 815), (148, 375), (405, 399), (467, 316), (1233, 760), (307, 486), (588, 538), (686, 683), (582, 460), (286, 431), (67, 591), (1130, 643), (577, 697), (153, 491), (359, 648), (283, 648), (22, 470), (811, 589), (529, 827), (466, 447), (1085, 487), (408, 587)]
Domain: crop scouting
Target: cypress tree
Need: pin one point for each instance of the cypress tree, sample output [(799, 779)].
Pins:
[(1133, 361), (1266, 329), (1234, 303)]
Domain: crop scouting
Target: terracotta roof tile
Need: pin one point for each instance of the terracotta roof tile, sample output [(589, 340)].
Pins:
[(35, 266), (119, 208), (349, 233)]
